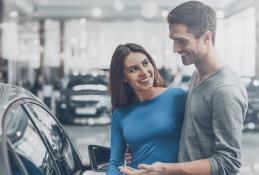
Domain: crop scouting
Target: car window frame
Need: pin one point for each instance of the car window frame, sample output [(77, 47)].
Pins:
[(78, 160), (12, 106), (4, 157)]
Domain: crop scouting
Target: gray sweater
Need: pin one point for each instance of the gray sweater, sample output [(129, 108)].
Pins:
[(214, 116)]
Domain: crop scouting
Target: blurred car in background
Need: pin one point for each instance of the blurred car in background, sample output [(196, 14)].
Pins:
[(32, 141), (252, 117), (185, 80), (85, 99)]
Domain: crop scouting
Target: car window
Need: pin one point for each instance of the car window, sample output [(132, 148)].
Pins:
[(28, 144), (60, 144)]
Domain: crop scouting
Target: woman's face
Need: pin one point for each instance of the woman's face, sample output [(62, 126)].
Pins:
[(138, 71)]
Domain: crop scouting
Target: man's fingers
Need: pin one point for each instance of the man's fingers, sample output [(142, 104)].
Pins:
[(127, 171), (145, 167)]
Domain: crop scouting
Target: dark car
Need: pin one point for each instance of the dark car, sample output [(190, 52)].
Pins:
[(84, 98), (32, 141), (252, 116)]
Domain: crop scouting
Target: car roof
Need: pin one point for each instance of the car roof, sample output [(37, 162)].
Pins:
[(9, 94)]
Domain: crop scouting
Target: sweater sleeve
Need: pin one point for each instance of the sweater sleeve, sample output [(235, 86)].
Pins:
[(229, 108), (118, 145)]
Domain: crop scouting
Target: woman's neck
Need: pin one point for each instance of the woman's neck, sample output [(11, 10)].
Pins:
[(148, 94)]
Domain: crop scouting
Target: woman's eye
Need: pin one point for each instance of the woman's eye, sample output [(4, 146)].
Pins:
[(145, 63), (133, 69)]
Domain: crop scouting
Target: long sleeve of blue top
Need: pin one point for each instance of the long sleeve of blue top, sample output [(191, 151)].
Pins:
[(152, 130)]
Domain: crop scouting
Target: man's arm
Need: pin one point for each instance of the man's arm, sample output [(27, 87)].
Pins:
[(201, 167), (229, 108)]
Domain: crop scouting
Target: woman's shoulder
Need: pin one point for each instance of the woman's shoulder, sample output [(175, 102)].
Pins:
[(122, 110), (117, 111), (176, 91), (178, 95)]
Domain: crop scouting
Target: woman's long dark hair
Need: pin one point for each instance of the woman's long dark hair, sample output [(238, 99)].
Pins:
[(121, 93)]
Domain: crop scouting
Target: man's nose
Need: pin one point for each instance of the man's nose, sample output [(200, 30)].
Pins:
[(176, 47)]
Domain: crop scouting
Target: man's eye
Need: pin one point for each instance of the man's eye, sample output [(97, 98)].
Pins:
[(183, 42)]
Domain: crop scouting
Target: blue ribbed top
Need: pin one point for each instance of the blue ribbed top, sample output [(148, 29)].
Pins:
[(151, 128)]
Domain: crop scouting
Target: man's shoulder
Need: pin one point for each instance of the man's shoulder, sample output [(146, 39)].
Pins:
[(227, 77)]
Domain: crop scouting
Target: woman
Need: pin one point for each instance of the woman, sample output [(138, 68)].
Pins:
[(146, 116)]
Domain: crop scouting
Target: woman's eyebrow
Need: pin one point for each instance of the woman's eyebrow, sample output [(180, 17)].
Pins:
[(134, 66), (145, 60)]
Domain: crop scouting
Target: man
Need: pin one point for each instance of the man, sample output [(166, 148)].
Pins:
[(217, 101)]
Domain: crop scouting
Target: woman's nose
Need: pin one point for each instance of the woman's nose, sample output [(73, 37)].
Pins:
[(144, 71)]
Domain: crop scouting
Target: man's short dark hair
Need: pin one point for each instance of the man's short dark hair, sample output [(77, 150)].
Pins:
[(197, 16)]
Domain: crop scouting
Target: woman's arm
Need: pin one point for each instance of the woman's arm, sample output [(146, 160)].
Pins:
[(118, 145)]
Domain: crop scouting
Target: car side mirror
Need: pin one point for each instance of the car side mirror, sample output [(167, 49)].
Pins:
[(99, 157)]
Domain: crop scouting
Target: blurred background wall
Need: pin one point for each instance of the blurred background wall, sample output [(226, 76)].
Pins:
[(57, 37)]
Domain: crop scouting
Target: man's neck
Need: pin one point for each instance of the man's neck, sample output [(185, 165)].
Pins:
[(210, 64)]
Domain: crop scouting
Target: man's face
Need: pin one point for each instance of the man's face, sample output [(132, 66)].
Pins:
[(191, 49)]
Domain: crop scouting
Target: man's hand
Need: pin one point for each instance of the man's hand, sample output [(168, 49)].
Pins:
[(127, 156), (128, 171), (144, 169)]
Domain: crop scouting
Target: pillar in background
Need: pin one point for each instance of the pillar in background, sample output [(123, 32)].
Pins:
[(257, 38), (1, 20), (62, 40), (42, 46), (3, 63)]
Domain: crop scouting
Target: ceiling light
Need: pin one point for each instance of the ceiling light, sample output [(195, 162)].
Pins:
[(164, 13), (118, 5), (13, 14), (149, 9), (97, 12), (83, 21), (220, 14)]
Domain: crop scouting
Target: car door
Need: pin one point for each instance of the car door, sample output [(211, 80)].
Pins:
[(27, 143), (65, 154)]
